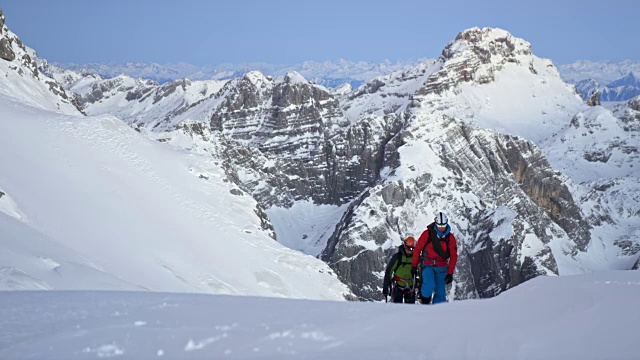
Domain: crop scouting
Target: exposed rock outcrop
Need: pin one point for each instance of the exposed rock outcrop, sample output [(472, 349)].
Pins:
[(594, 98), (6, 52)]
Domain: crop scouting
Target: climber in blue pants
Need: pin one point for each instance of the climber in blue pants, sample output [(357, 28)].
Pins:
[(437, 254)]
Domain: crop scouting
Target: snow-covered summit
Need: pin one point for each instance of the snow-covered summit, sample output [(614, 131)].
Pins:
[(487, 43), (489, 78), (476, 55), (256, 78), (294, 77), (342, 89)]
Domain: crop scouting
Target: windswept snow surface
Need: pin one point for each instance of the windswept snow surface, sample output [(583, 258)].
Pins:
[(583, 317), (94, 203), (30, 260)]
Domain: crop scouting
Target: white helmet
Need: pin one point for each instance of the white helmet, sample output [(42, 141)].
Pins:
[(441, 219)]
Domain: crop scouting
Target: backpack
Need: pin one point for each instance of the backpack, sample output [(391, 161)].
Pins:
[(399, 262), (397, 265), (437, 245)]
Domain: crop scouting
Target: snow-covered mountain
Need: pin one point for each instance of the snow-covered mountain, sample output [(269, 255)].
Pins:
[(613, 79), (87, 202), (327, 73), (140, 100), (481, 133), (488, 133)]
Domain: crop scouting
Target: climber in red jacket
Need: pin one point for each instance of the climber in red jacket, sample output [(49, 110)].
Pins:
[(437, 253)]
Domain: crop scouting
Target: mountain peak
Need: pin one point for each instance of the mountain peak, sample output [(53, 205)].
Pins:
[(486, 43), (294, 77), (476, 55), (256, 77)]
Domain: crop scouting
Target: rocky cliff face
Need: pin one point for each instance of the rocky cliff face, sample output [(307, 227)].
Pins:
[(289, 117), (484, 181), (343, 165)]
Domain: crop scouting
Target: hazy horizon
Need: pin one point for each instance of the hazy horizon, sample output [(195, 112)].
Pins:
[(287, 32)]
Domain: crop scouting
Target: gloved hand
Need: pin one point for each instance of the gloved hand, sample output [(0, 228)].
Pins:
[(448, 279), (385, 291), (414, 271)]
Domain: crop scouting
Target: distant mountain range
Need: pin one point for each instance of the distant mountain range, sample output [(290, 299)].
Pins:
[(327, 73), (602, 71), (615, 81), (621, 89)]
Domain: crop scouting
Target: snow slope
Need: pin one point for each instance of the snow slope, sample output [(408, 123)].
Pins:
[(30, 260), (592, 316), (305, 226), (98, 200)]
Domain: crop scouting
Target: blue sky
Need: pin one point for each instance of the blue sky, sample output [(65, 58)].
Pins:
[(288, 32)]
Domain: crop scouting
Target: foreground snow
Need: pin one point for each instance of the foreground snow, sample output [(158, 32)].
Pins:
[(574, 317)]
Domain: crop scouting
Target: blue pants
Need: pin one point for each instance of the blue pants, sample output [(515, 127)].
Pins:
[(433, 280)]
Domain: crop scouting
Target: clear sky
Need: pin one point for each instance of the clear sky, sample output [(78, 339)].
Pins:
[(287, 32)]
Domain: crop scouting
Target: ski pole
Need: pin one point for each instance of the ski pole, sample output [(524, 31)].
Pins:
[(393, 290), (413, 288)]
